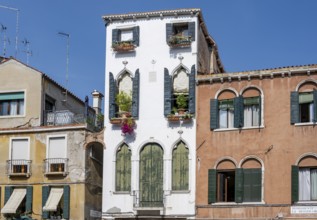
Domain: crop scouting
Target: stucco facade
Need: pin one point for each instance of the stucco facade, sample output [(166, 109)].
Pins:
[(161, 68), (274, 145)]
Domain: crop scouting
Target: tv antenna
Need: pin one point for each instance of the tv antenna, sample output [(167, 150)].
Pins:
[(16, 26), (67, 60), (5, 40), (27, 51)]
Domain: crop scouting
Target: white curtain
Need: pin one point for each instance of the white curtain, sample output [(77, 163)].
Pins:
[(247, 116), (256, 115), (313, 183), (304, 184), (222, 118), (311, 112), (21, 107), (230, 118), (13, 108)]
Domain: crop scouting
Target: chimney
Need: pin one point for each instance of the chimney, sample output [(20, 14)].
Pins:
[(96, 101)]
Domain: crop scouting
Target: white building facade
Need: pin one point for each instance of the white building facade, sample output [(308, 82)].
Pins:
[(150, 154)]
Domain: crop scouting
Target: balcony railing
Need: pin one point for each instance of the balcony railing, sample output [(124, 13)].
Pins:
[(66, 117), (56, 166), (139, 203), (19, 167)]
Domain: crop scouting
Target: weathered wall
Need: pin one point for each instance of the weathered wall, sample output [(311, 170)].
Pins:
[(76, 154), (278, 144), (16, 77)]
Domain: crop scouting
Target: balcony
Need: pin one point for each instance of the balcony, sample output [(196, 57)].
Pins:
[(56, 166), (19, 168), (66, 117)]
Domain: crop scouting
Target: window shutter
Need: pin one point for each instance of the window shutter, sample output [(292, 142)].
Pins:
[(294, 107), (66, 211), (7, 193), (29, 199), (192, 97), (238, 185), (169, 31), (212, 186), (260, 111), (112, 96), (214, 114), (315, 105), (167, 93), (45, 194), (252, 185), (191, 30), (135, 94), (115, 35), (238, 112), (136, 35), (295, 182)]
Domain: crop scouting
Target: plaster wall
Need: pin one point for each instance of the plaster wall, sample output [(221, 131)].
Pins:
[(277, 143), (151, 57), (16, 77)]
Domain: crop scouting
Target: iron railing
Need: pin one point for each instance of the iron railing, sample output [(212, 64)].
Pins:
[(139, 203), (66, 117), (56, 166), (19, 167)]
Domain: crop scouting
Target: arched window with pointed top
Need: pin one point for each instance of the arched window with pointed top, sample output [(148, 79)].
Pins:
[(123, 169), (180, 167)]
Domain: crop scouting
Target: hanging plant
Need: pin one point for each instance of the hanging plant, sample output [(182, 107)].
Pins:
[(127, 126)]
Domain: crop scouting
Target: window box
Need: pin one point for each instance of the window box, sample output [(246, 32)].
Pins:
[(116, 121), (123, 46), (179, 41), (176, 118)]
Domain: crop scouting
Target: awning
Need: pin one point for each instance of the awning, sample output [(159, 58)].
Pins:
[(53, 199), (14, 201)]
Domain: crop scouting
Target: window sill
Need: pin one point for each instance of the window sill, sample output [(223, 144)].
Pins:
[(238, 204), (306, 203), (305, 124), (180, 191), (236, 129), (11, 116), (121, 193)]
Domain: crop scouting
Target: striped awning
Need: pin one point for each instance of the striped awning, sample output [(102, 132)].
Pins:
[(53, 199), (14, 201)]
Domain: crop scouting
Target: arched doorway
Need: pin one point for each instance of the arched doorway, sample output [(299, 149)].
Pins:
[(151, 176)]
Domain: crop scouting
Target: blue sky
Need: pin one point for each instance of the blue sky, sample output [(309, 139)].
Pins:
[(251, 34)]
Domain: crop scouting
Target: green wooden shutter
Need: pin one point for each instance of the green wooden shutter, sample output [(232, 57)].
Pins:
[(252, 185), (136, 94), (260, 111), (167, 92), (115, 35), (294, 107), (169, 31), (180, 167), (123, 169), (315, 105), (136, 35), (191, 30), (7, 193), (295, 182), (238, 112), (212, 186), (192, 88), (45, 194), (112, 96), (238, 185), (66, 208), (214, 112), (29, 199)]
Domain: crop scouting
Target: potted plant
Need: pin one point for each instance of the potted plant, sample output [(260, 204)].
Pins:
[(124, 102), (127, 126), (181, 102)]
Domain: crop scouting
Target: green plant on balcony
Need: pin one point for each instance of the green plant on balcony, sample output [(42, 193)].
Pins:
[(180, 40)]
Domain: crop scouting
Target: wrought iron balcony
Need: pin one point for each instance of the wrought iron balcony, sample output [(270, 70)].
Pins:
[(56, 166), (19, 167), (148, 202)]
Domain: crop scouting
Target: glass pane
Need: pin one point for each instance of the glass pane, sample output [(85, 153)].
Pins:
[(126, 35), (305, 98), (223, 118), (304, 184), (313, 184)]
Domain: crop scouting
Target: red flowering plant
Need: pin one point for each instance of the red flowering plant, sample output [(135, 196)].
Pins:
[(127, 126)]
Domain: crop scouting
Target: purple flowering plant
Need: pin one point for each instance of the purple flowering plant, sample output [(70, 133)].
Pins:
[(127, 126)]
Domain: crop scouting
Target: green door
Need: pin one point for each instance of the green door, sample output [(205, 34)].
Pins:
[(151, 176)]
